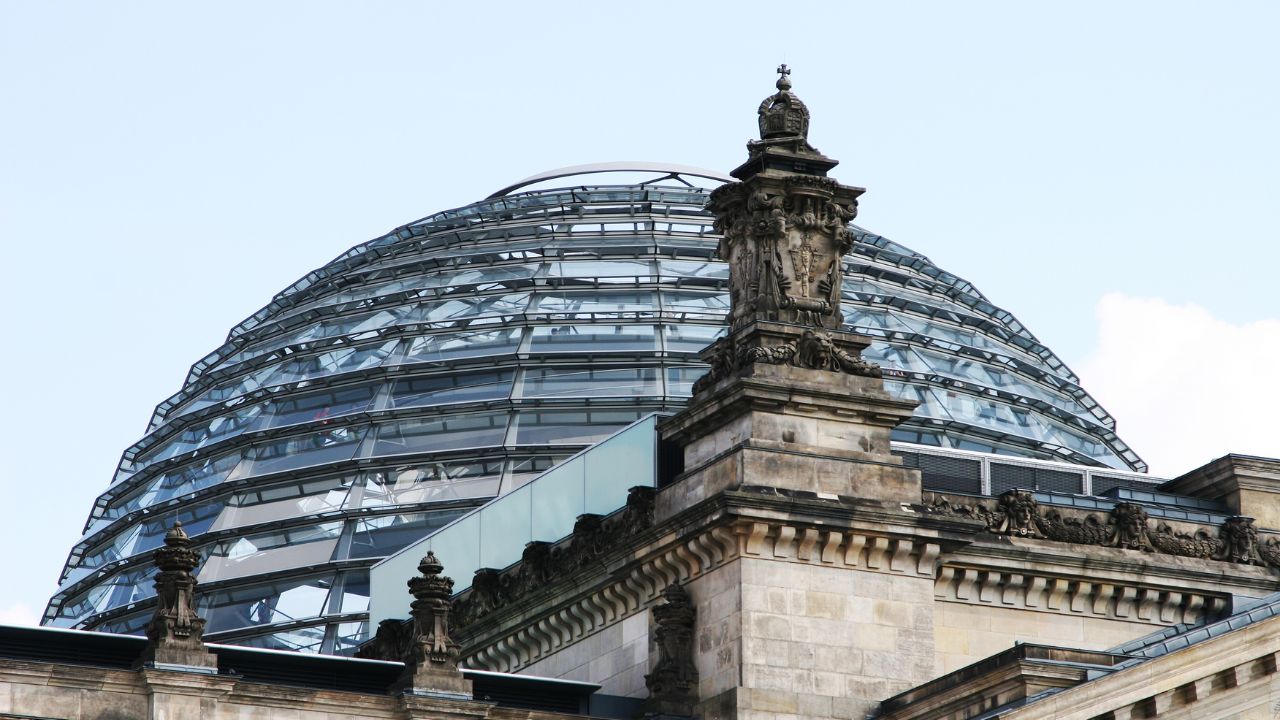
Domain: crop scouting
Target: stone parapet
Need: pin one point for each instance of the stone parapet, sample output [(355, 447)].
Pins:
[(1230, 676), (778, 574), (1249, 486), (53, 689), (1128, 526), (1014, 675)]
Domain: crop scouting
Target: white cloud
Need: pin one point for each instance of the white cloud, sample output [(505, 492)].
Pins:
[(19, 613), (1184, 386)]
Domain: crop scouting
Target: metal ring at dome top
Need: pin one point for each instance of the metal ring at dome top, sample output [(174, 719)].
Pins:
[(668, 169)]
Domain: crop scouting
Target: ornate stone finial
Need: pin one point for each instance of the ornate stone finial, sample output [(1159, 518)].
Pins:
[(431, 567), (673, 684), (176, 632), (432, 662), (782, 114), (785, 231)]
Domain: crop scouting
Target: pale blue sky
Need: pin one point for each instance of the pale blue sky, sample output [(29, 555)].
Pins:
[(166, 167)]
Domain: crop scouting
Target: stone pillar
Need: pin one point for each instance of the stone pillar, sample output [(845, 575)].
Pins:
[(790, 404), (178, 672), (431, 666), (788, 401)]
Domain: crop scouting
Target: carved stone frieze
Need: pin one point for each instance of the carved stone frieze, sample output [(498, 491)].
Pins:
[(1196, 544), (1127, 526), (391, 642), (1019, 514), (785, 227), (1239, 541), (1086, 531)]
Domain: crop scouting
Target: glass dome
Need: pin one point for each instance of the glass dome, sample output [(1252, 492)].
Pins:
[(421, 373)]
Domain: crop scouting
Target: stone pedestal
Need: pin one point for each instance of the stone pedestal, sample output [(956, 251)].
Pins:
[(182, 695), (787, 426)]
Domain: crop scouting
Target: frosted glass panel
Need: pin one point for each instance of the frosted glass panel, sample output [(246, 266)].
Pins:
[(595, 481), (504, 526)]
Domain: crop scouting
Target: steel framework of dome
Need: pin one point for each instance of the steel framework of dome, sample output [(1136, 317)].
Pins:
[(423, 372)]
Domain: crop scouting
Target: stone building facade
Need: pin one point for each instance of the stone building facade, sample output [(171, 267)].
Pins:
[(794, 568), (828, 584)]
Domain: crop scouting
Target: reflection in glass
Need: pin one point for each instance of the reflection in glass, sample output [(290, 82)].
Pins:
[(432, 481), (325, 446), (591, 303), (680, 380), (267, 552), (594, 338), (382, 536), (286, 500), (351, 635), (570, 427), (303, 639), (451, 388), (322, 405), (441, 433), (588, 382), (264, 604), (455, 346), (691, 338), (355, 592)]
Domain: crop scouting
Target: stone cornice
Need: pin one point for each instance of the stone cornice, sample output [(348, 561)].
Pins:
[(1113, 565), (1037, 592), (187, 684), (290, 698), (24, 672), (865, 536)]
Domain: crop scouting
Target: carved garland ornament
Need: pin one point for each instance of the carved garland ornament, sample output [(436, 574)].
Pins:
[(1017, 513), (814, 350)]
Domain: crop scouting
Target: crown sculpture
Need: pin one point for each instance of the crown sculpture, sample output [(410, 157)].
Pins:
[(785, 230)]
